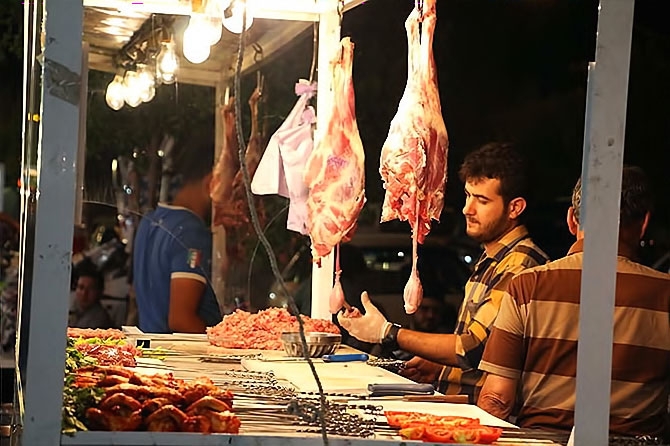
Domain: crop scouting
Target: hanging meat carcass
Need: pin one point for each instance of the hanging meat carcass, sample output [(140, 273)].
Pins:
[(414, 157), (231, 208), (335, 171), (226, 167)]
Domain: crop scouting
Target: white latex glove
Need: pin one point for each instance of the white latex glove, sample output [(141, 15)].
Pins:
[(370, 327)]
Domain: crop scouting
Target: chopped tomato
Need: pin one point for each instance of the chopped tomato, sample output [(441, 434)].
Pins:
[(415, 432), (466, 434)]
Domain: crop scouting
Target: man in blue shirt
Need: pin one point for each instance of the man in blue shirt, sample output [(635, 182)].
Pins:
[(172, 256)]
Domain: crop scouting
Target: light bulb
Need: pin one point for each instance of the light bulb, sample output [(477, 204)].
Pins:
[(146, 83), (133, 90), (196, 48), (148, 94), (115, 93), (168, 63), (234, 22), (209, 28)]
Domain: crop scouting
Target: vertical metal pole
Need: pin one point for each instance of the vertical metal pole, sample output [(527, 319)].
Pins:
[(218, 232), (602, 191), (81, 149), (329, 40), (57, 156)]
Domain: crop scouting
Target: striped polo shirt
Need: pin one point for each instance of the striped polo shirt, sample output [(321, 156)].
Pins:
[(535, 339), (513, 253)]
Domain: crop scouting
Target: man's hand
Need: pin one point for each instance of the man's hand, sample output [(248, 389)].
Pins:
[(367, 328), (421, 370)]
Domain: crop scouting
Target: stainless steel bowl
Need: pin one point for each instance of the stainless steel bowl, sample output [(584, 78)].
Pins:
[(318, 344)]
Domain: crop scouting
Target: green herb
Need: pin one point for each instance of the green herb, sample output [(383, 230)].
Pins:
[(77, 400), (156, 353), (74, 358)]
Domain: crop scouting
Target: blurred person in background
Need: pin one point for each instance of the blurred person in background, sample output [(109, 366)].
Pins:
[(434, 316), (172, 253), (86, 310)]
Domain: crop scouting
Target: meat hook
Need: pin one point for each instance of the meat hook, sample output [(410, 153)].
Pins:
[(258, 51)]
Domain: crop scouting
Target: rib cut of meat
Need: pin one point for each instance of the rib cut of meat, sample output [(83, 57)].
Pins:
[(413, 161), (335, 172), (226, 166)]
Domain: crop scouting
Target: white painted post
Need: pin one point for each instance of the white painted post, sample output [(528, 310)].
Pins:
[(57, 159), (600, 218), (329, 41), (81, 149), (218, 232)]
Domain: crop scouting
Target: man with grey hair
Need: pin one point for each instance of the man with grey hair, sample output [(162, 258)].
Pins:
[(531, 356)]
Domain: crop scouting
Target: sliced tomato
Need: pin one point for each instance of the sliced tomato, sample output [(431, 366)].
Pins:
[(464, 434), (415, 432)]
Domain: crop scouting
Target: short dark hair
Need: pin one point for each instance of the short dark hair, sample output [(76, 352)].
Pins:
[(88, 269), (499, 161), (637, 198), (196, 158)]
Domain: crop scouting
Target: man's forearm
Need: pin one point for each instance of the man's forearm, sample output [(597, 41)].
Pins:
[(440, 348)]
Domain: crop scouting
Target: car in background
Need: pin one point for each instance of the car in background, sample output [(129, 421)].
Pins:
[(380, 263)]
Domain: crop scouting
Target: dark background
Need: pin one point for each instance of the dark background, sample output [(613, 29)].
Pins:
[(511, 70)]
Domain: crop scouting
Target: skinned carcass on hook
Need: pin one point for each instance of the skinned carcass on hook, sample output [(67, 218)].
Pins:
[(413, 162)]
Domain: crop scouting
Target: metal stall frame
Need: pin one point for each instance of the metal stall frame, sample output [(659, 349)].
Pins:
[(57, 163)]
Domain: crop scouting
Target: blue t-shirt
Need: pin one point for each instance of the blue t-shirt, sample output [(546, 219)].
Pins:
[(171, 242)]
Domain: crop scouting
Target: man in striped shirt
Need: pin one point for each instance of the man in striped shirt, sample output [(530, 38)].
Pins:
[(532, 353), (495, 189)]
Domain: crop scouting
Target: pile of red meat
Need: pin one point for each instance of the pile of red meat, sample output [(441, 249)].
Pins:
[(106, 354), (87, 333), (262, 330)]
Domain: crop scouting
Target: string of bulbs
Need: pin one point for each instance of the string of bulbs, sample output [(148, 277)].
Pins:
[(150, 59)]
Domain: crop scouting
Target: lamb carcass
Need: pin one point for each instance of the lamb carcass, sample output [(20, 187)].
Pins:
[(335, 172), (414, 157)]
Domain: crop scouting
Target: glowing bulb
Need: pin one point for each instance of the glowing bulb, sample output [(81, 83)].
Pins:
[(115, 93), (133, 90), (234, 22), (148, 94), (196, 47), (209, 28), (146, 83), (167, 63)]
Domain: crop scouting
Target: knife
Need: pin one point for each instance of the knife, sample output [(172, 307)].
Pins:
[(378, 390), (363, 357)]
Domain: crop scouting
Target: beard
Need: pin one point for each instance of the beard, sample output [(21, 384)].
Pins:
[(491, 231)]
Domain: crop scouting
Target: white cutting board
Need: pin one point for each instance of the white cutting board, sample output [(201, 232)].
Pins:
[(349, 377)]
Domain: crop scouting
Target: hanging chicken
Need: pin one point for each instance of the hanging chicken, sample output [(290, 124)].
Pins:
[(335, 172), (414, 157)]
